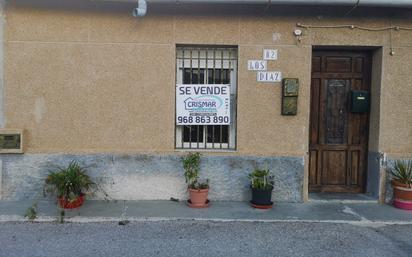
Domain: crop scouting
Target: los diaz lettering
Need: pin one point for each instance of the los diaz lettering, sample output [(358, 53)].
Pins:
[(203, 90), (269, 76)]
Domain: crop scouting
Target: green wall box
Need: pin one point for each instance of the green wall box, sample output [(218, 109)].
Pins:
[(290, 92), (359, 101)]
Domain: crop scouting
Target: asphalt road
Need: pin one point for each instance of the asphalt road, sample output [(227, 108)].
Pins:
[(197, 239)]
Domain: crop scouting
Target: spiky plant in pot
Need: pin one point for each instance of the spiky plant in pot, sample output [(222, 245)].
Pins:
[(401, 174), (261, 182), (69, 184)]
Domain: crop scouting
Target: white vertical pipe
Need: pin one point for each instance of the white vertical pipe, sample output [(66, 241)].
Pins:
[(141, 9)]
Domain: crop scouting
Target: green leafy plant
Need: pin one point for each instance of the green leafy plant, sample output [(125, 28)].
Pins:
[(69, 182), (191, 165), (402, 172), (261, 179), (31, 212)]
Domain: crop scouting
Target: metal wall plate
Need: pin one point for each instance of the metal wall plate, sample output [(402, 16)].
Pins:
[(11, 141), (290, 87), (289, 105), (290, 92)]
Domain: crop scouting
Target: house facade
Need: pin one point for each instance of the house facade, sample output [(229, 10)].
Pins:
[(320, 95)]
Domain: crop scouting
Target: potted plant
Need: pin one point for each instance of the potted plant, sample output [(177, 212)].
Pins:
[(70, 184), (261, 182), (198, 191), (401, 173)]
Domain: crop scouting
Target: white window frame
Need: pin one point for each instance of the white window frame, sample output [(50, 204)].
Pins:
[(203, 60)]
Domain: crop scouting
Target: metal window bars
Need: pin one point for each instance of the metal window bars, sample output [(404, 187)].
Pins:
[(207, 65)]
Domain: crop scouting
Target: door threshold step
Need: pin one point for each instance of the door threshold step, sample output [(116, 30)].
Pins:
[(341, 201), (341, 198)]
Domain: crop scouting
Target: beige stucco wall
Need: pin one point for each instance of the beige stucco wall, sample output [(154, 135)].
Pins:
[(103, 81)]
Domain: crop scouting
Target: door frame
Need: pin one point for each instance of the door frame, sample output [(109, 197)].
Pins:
[(370, 51)]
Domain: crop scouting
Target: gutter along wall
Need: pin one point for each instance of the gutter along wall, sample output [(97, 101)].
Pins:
[(93, 83)]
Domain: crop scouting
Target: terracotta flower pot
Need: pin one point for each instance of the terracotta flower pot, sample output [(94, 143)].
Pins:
[(402, 195), (402, 191), (76, 203), (198, 198)]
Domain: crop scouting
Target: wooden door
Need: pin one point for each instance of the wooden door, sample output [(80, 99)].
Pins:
[(338, 140)]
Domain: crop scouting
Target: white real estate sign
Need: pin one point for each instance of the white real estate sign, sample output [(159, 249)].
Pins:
[(203, 104)]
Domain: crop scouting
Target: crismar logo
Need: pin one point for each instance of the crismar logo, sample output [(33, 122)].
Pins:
[(208, 102)]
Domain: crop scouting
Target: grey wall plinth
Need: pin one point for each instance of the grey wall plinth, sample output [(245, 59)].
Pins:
[(153, 177), (373, 177), (389, 191)]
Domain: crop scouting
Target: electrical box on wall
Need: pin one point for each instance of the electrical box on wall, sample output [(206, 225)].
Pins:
[(290, 92), (359, 101), (11, 141)]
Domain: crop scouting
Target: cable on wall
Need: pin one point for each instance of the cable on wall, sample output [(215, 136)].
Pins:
[(397, 28), (346, 26)]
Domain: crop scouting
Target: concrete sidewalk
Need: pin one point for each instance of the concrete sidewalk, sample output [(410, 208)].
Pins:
[(99, 211)]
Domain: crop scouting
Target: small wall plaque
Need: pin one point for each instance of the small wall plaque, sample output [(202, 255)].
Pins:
[(11, 141), (270, 54)]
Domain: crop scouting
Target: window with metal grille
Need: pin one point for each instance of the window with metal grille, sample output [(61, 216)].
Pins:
[(208, 65)]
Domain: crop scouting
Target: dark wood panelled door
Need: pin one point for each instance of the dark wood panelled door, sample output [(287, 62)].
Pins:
[(338, 138)]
